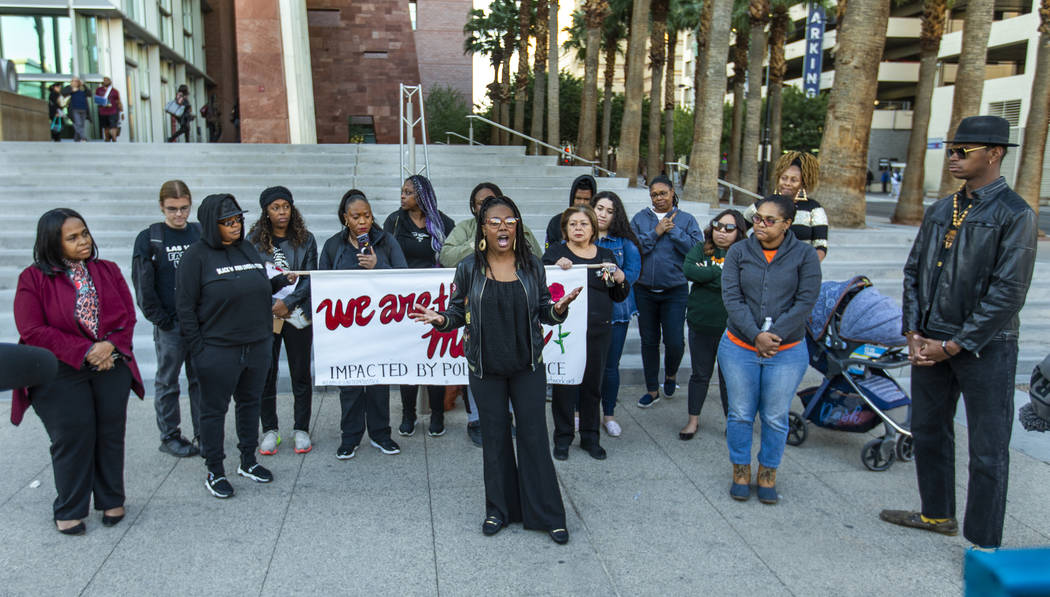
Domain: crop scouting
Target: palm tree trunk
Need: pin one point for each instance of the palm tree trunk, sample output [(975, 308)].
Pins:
[(504, 91), (707, 128), (553, 111), (669, 96), (521, 81), (777, 67), (631, 127), (657, 58), (539, 72), (737, 129), (607, 77), (702, 31), (969, 79), (497, 108), (909, 208), (759, 10), (847, 127), (1030, 170), (589, 99)]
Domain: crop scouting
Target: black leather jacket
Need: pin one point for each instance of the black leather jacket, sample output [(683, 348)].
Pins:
[(985, 275), (469, 289)]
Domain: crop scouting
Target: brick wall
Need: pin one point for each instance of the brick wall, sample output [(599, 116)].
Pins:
[(439, 41), (360, 50), (220, 50), (260, 72)]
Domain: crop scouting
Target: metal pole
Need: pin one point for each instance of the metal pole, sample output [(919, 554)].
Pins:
[(470, 134), (411, 136), (766, 149)]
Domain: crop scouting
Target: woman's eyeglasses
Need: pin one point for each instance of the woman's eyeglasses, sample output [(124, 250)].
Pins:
[(766, 220), (231, 222), (963, 152), (719, 226), (495, 222)]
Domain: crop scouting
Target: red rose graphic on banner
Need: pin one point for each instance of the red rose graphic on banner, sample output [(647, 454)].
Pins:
[(557, 292)]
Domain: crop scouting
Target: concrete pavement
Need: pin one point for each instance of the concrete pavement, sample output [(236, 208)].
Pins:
[(655, 518)]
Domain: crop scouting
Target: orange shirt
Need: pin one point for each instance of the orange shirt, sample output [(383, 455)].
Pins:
[(770, 254), (743, 344)]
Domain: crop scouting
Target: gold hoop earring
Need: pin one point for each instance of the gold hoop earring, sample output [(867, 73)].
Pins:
[(482, 245), (514, 245), (801, 194)]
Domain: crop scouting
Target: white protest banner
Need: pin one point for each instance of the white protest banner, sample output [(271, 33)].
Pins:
[(363, 335)]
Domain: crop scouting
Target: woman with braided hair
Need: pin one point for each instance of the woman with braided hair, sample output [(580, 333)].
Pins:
[(420, 229), (797, 174)]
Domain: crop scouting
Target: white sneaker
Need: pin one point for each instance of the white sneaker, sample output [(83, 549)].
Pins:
[(613, 428), (268, 444), (302, 442)]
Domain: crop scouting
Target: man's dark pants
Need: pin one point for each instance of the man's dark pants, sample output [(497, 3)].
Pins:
[(171, 354), (987, 387)]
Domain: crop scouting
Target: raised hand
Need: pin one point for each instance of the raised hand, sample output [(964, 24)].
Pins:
[(563, 304), (424, 315)]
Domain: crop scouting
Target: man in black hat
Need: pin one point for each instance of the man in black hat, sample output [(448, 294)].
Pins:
[(964, 283)]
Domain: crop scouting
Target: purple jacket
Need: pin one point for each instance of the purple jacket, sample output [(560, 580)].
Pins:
[(44, 315)]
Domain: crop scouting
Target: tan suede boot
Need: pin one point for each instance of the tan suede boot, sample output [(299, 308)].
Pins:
[(740, 490), (767, 485)]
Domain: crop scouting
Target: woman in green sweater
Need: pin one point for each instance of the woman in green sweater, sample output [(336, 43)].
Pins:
[(705, 311)]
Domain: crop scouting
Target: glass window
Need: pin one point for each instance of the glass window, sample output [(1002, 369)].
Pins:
[(187, 16), (87, 40), (37, 44), (187, 52)]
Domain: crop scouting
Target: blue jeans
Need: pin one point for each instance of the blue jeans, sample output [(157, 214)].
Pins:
[(763, 386), (611, 378), (661, 312)]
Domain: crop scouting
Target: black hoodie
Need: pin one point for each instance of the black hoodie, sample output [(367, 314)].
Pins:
[(222, 295), (554, 226)]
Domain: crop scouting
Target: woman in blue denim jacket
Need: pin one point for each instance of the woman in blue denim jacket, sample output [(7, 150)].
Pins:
[(614, 233)]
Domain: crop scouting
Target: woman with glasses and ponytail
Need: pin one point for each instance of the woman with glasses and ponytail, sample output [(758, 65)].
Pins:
[(797, 174), (500, 294), (420, 229)]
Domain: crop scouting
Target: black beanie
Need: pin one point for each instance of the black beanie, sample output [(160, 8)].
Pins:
[(273, 194)]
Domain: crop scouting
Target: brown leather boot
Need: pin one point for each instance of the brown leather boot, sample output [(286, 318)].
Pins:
[(451, 393), (767, 485), (740, 490)]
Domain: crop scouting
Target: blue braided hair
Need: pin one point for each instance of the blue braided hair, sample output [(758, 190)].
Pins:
[(427, 202)]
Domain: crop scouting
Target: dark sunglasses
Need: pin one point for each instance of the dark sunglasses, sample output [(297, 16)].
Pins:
[(767, 220), (963, 152), (719, 226), (231, 222)]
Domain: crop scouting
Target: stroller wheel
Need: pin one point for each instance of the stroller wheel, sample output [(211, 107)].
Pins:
[(797, 430), (878, 455), (905, 448)]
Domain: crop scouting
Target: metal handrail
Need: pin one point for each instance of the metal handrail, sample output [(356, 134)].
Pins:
[(732, 187), (449, 141), (592, 163)]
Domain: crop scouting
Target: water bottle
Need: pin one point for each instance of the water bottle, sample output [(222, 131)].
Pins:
[(768, 323)]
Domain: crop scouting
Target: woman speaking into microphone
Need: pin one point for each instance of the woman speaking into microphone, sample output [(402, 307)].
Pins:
[(500, 294)]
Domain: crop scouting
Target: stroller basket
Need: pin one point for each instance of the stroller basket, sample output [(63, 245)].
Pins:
[(835, 404)]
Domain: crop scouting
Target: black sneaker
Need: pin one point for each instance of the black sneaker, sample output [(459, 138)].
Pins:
[(407, 427), (387, 446), (596, 451), (178, 446), (218, 486), (255, 472), (437, 427), (346, 452), (474, 432), (561, 452)]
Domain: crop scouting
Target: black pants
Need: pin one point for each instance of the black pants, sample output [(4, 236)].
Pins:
[(987, 387), (361, 406), (223, 371), (564, 398), (435, 395), (527, 490), (703, 348), (85, 413), (297, 345)]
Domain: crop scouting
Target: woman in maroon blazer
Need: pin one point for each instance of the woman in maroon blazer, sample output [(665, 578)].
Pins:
[(79, 307)]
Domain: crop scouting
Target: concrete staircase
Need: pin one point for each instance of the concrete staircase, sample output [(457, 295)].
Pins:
[(115, 188)]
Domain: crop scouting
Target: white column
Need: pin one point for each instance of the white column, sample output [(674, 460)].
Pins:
[(114, 65), (158, 119), (298, 75)]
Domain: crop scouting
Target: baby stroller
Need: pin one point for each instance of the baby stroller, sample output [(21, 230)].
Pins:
[(854, 337)]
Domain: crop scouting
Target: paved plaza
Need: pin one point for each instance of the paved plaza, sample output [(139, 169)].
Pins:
[(653, 519)]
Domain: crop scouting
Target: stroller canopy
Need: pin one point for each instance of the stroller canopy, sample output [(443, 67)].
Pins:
[(869, 316)]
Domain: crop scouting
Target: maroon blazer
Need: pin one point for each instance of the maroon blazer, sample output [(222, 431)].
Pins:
[(44, 315)]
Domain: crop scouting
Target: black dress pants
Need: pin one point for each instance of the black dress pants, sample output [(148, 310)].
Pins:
[(527, 490), (85, 413), (564, 398), (223, 371), (435, 396), (987, 387), (703, 349), (297, 345), (361, 406)]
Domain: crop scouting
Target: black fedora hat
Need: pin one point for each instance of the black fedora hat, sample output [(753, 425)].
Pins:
[(989, 130)]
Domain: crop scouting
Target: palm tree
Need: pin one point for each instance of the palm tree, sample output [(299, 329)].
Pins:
[(595, 12), (504, 84), (778, 28), (969, 78), (758, 16), (483, 38), (631, 127), (909, 208), (703, 26), (669, 92), (657, 59), (1030, 170), (553, 110), (739, 53), (614, 29), (521, 81), (707, 126), (847, 126), (539, 70)]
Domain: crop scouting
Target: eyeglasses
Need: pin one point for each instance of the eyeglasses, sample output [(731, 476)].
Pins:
[(719, 226), (231, 222), (661, 194), (767, 220), (178, 210), (963, 152), (495, 222)]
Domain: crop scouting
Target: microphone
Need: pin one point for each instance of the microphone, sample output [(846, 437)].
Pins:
[(362, 242), (26, 366)]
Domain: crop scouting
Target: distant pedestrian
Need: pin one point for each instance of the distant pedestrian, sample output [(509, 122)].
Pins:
[(78, 108), (55, 110), (184, 116), (867, 181), (885, 179), (895, 184), (965, 281), (110, 110)]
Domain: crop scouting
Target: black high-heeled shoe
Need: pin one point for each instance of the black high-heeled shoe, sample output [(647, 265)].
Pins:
[(559, 536), (78, 529), (686, 436), (108, 521)]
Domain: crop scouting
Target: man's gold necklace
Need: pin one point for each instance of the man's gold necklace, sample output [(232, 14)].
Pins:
[(957, 220)]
